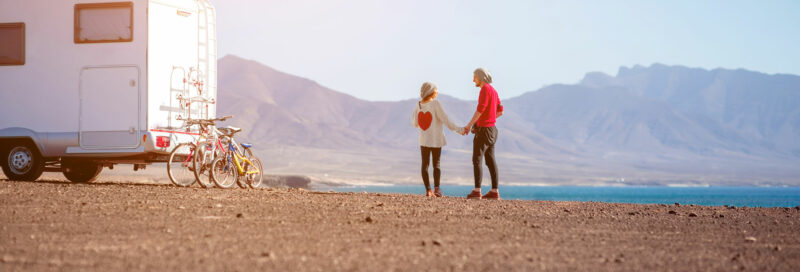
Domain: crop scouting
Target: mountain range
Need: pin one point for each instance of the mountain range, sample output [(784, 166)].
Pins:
[(655, 125)]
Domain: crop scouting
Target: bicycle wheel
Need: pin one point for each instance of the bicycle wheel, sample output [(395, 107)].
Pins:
[(202, 165), (255, 179), (223, 173), (242, 181), (179, 166)]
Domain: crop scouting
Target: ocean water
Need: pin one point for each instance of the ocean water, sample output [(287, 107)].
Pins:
[(708, 196)]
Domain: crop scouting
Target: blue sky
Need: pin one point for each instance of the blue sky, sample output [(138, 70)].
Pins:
[(384, 50)]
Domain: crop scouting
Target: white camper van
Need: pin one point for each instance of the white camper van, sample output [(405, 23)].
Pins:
[(87, 84)]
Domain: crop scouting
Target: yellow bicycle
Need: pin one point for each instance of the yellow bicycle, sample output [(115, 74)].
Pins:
[(237, 165)]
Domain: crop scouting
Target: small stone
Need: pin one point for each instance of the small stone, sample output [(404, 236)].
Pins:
[(369, 219), (732, 207), (239, 215), (379, 205), (218, 205), (750, 239), (692, 215), (618, 260), (7, 259), (632, 213), (487, 217), (535, 226), (181, 207), (776, 248), (672, 212), (721, 216), (437, 242), (677, 204), (268, 255), (797, 208), (423, 243)]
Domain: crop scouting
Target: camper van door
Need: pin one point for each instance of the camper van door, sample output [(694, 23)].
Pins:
[(109, 107)]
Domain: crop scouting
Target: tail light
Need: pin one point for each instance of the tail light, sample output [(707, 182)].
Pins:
[(162, 141)]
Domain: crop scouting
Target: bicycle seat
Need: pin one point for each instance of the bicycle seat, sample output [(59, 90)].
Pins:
[(246, 145), (234, 129), (229, 131)]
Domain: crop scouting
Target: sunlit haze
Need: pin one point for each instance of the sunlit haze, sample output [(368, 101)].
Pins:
[(384, 50)]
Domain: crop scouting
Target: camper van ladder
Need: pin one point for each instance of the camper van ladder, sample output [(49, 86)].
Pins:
[(176, 93), (194, 106), (207, 51)]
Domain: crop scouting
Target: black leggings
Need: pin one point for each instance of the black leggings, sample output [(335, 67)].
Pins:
[(483, 144), (426, 161)]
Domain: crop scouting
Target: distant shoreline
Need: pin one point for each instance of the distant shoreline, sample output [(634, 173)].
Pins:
[(712, 196)]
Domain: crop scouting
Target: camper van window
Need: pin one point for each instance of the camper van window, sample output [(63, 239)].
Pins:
[(104, 22), (12, 44)]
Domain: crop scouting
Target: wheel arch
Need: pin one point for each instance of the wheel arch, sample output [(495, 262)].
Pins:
[(16, 135)]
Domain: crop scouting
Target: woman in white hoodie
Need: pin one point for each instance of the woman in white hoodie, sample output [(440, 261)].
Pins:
[(429, 117)]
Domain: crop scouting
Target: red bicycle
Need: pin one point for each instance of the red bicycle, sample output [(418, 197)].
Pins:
[(190, 162)]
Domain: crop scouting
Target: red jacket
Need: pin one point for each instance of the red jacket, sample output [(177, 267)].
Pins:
[(488, 106)]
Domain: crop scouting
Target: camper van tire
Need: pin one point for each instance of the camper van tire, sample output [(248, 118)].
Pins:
[(21, 161), (81, 171)]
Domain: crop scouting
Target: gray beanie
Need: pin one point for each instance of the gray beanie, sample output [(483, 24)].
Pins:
[(483, 75), (427, 89)]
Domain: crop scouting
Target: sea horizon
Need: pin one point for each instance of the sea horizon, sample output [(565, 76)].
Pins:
[(732, 196)]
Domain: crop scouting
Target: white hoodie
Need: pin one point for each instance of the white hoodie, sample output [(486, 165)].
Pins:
[(432, 114)]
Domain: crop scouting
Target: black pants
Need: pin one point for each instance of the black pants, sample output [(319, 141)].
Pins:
[(426, 161), (483, 144)]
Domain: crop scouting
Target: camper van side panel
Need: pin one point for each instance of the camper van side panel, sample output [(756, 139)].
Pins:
[(43, 96)]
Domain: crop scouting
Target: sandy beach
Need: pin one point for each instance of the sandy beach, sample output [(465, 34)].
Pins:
[(54, 225)]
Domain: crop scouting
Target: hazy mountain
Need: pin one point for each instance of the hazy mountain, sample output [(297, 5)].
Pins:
[(734, 110), (278, 108), (657, 118)]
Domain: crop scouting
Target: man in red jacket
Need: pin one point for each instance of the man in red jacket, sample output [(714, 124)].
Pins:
[(489, 108)]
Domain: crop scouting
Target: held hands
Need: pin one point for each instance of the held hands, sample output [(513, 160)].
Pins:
[(465, 130)]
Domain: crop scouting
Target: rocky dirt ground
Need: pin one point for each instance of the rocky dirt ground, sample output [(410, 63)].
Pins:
[(108, 226)]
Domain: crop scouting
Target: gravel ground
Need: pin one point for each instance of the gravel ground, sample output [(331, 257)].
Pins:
[(54, 225)]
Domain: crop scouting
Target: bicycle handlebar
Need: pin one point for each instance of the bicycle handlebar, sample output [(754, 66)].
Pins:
[(204, 121), (198, 121)]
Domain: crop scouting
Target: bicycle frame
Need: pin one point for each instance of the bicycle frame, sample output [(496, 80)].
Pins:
[(240, 161), (210, 133)]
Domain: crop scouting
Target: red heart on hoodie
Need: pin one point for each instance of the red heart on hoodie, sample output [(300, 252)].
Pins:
[(424, 120)]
